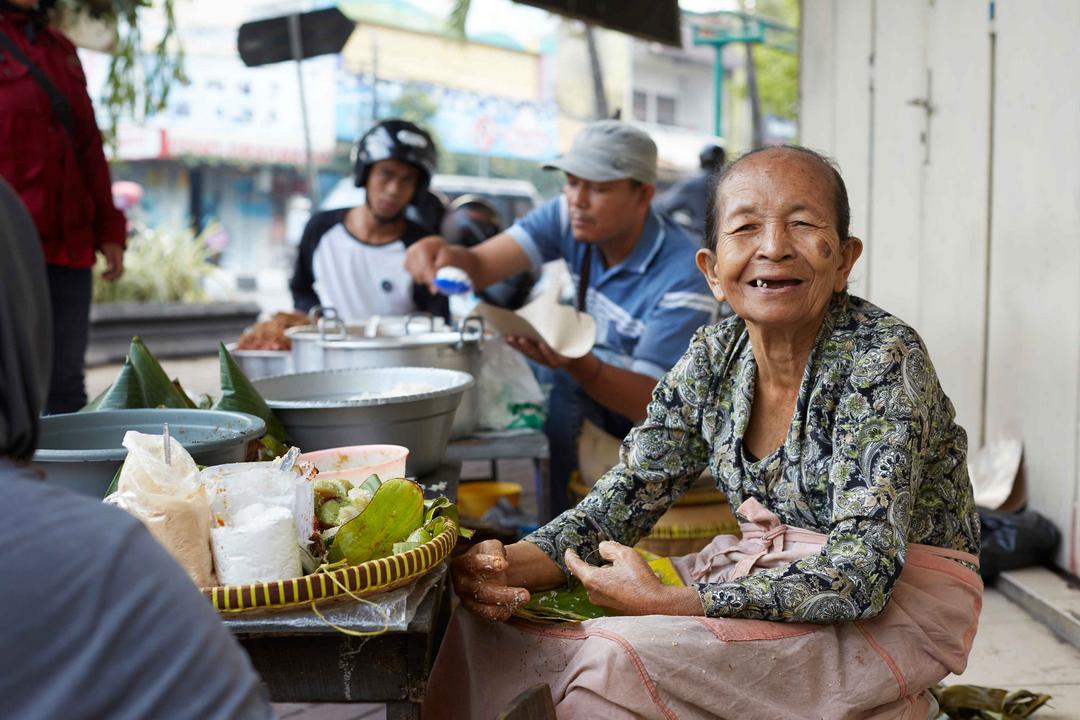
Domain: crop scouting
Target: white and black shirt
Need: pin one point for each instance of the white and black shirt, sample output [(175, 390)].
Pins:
[(336, 269)]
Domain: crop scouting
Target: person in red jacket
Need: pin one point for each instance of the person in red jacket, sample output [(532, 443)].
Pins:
[(51, 153)]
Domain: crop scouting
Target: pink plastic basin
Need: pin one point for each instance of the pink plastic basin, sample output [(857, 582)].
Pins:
[(356, 463)]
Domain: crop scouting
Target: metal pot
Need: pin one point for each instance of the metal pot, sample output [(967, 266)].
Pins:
[(449, 350), (332, 408), (307, 355), (261, 363)]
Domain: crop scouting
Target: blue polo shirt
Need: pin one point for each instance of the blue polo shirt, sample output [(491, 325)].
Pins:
[(648, 306)]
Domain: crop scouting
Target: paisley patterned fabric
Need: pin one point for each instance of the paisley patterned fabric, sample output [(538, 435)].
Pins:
[(873, 459)]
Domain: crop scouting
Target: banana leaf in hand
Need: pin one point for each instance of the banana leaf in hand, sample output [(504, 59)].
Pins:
[(571, 603)]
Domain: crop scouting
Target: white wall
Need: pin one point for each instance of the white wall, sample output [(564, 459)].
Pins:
[(988, 273)]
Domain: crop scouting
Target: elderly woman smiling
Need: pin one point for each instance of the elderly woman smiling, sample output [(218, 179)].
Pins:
[(853, 587)]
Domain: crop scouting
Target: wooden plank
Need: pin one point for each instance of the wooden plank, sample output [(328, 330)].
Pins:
[(334, 667), (952, 246), (899, 76), (1034, 348), (851, 136), (817, 72)]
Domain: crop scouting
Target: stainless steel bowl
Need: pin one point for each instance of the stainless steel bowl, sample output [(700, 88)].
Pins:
[(449, 350), (338, 408), (83, 451)]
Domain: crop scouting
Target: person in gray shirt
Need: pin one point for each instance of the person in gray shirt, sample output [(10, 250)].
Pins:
[(96, 619)]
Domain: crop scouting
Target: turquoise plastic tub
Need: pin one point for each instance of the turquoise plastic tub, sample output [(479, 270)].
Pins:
[(83, 451)]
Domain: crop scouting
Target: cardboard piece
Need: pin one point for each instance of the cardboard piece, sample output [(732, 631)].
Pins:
[(564, 329)]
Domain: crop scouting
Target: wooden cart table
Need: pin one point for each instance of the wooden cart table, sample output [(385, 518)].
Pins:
[(302, 661)]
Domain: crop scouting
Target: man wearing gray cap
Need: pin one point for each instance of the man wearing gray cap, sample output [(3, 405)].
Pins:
[(634, 272)]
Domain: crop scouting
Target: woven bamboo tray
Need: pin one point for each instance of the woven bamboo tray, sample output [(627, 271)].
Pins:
[(369, 578)]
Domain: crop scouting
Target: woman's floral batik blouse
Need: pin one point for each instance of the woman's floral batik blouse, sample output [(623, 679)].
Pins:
[(872, 459)]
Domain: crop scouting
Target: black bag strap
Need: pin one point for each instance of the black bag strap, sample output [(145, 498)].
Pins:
[(61, 108), (583, 281)]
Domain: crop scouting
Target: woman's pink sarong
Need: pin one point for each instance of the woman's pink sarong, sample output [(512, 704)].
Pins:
[(660, 666)]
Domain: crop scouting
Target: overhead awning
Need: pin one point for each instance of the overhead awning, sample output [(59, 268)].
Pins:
[(654, 20)]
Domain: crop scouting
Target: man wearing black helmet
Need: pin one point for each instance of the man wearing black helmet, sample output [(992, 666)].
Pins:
[(352, 259), (684, 202)]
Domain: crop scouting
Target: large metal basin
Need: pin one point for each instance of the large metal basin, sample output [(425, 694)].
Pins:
[(448, 350), (329, 408), (83, 451)]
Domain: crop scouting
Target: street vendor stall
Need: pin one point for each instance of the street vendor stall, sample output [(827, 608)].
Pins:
[(327, 565), (346, 655)]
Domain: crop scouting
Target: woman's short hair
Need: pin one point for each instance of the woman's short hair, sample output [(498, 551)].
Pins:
[(841, 206)]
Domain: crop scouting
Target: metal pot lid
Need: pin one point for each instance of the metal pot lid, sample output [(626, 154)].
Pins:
[(471, 333), (333, 327)]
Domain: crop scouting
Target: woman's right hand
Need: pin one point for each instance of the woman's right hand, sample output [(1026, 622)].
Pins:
[(480, 580)]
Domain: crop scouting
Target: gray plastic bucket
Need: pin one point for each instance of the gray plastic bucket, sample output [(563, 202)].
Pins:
[(83, 451)]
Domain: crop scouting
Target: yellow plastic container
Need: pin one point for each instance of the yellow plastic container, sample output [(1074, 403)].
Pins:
[(476, 498)]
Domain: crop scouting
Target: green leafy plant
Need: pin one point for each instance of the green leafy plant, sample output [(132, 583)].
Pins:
[(139, 78), (160, 265)]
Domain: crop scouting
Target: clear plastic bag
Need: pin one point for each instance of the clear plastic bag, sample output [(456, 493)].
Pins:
[(169, 501), (510, 396)]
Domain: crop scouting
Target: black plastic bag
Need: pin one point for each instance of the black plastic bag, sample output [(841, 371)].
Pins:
[(1014, 540)]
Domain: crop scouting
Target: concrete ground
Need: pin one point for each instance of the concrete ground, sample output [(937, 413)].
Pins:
[(1012, 649)]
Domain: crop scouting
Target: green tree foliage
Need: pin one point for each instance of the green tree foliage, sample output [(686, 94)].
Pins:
[(139, 80), (778, 71)]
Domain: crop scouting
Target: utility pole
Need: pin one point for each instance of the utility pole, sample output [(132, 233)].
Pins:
[(757, 136), (374, 77), (600, 97), (297, 48)]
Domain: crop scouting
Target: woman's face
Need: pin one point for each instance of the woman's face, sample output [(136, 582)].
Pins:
[(778, 257)]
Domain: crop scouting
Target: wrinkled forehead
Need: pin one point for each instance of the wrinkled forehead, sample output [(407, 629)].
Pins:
[(777, 176)]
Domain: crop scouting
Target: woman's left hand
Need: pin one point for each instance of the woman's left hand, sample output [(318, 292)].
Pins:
[(628, 585)]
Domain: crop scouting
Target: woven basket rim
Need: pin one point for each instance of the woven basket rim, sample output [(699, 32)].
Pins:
[(367, 578)]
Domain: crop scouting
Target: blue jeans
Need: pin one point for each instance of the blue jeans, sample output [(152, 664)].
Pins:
[(70, 292)]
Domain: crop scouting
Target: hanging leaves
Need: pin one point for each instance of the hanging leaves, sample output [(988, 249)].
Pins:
[(140, 74)]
